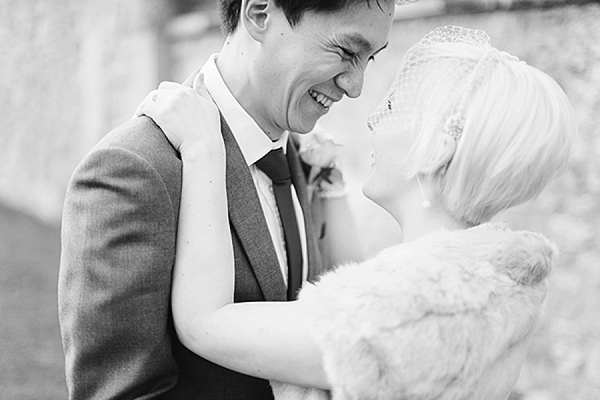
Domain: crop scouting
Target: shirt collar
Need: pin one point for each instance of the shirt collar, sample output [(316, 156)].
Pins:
[(252, 140)]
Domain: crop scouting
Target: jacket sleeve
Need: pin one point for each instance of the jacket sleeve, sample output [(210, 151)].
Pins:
[(118, 247)]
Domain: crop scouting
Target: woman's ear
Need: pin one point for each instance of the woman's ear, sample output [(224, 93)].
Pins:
[(442, 154), (255, 14)]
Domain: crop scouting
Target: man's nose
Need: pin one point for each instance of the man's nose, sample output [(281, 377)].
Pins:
[(351, 82)]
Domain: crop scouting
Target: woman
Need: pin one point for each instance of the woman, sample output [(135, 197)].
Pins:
[(465, 132)]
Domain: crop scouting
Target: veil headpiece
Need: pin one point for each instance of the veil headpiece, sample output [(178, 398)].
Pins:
[(435, 80)]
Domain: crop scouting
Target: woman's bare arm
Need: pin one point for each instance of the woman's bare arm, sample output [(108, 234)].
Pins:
[(266, 340)]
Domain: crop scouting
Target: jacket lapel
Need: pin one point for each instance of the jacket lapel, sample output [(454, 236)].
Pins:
[(248, 221)]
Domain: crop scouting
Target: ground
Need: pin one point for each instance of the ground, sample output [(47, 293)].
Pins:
[(31, 357)]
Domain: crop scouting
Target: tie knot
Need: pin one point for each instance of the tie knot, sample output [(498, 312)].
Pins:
[(274, 164)]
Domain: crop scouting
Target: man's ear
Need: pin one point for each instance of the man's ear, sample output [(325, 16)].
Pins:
[(442, 154), (254, 17)]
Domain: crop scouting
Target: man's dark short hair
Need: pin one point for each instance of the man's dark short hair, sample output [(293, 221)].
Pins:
[(293, 9)]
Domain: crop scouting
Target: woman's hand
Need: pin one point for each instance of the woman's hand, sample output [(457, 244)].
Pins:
[(187, 116)]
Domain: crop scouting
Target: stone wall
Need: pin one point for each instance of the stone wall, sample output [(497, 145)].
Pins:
[(70, 70)]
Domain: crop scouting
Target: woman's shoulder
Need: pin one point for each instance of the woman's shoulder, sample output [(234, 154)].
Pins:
[(448, 271), (524, 256)]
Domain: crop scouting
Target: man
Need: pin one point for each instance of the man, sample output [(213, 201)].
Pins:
[(283, 65)]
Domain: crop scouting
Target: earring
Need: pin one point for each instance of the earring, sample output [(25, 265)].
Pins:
[(426, 204), (454, 126)]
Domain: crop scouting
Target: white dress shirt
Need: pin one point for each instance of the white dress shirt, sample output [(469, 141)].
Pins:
[(254, 144)]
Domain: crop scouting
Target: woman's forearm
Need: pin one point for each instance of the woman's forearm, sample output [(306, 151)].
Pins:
[(266, 340), (203, 272)]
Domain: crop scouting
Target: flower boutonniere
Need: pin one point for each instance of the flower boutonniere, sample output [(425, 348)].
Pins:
[(319, 150)]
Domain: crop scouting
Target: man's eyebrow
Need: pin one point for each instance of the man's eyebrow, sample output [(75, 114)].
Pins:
[(360, 41)]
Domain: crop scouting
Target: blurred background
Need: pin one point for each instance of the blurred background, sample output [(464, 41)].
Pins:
[(71, 70)]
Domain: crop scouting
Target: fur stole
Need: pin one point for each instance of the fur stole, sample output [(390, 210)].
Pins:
[(447, 316)]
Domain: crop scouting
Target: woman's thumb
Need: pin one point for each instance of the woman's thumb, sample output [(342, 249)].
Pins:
[(200, 87)]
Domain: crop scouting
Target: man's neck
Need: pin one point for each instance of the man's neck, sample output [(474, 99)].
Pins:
[(240, 83)]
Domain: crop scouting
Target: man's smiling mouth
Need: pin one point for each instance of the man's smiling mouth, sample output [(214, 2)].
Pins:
[(320, 98)]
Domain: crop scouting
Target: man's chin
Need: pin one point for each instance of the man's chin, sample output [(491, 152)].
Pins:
[(305, 127)]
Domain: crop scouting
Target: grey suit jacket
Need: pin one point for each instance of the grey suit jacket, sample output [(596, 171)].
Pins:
[(118, 248)]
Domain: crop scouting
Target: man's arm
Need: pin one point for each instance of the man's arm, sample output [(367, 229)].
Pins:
[(118, 238), (340, 243), (337, 232)]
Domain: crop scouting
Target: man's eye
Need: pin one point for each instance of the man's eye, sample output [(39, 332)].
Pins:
[(348, 53)]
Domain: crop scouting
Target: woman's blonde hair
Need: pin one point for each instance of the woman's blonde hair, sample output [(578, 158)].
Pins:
[(511, 124)]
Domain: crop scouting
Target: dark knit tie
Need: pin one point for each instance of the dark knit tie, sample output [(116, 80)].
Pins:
[(275, 166)]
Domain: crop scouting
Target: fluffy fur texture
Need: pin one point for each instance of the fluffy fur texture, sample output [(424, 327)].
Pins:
[(445, 317)]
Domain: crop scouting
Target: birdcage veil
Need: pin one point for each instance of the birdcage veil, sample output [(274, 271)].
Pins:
[(431, 91), (455, 84)]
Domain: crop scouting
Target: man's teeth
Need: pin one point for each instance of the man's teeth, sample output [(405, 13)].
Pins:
[(321, 99)]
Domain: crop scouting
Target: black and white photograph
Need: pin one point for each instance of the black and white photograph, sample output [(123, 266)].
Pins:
[(300, 200)]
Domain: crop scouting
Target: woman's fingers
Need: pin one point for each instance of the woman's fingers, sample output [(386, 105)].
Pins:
[(150, 98), (173, 95), (166, 85), (186, 115)]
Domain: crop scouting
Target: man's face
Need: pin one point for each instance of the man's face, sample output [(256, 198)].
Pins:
[(311, 66)]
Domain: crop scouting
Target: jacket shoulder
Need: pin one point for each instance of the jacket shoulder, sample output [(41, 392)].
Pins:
[(143, 139)]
